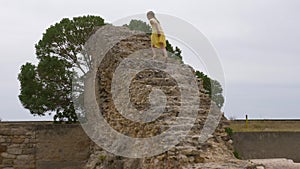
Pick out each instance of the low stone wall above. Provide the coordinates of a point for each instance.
(261, 145)
(42, 145)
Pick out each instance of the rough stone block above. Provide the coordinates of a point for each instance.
(17, 140)
(260, 167)
(24, 162)
(199, 159)
(2, 139)
(7, 162)
(13, 146)
(15, 151)
(3, 148)
(25, 157)
(28, 151)
(18, 131)
(5, 132)
(6, 155)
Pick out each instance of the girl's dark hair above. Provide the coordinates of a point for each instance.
(151, 13)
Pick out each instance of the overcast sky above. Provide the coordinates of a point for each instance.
(257, 42)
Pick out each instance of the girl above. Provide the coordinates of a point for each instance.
(158, 39)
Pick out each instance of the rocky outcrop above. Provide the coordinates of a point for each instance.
(115, 45)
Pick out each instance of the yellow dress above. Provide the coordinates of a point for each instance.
(156, 40)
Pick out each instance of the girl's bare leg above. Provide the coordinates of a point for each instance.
(164, 50)
(153, 51)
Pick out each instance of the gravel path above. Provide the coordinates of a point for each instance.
(277, 163)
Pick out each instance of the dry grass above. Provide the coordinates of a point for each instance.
(265, 125)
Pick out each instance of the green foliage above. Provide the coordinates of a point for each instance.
(47, 87)
(229, 131)
(216, 93)
(66, 38)
(213, 88)
(139, 25)
(236, 154)
(206, 81)
(102, 157)
(31, 89)
(175, 53)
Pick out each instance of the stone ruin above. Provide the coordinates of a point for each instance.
(215, 152)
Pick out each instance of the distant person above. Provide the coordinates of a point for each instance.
(158, 39)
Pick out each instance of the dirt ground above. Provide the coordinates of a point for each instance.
(277, 163)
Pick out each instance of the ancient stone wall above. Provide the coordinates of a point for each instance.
(17, 146)
(42, 145)
(262, 145)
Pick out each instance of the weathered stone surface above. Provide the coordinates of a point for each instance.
(7, 162)
(199, 159)
(15, 151)
(189, 151)
(60, 146)
(3, 148)
(2, 139)
(26, 151)
(17, 140)
(267, 145)
(25, 157)
(9, 156)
